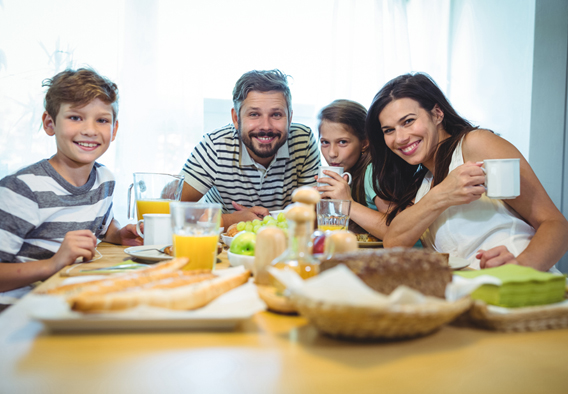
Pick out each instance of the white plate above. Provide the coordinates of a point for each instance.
(141, 253)
(457, 263)
(220, 314)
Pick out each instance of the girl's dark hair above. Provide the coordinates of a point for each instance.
(395, 180)
(352, 115)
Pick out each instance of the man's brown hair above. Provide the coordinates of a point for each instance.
(79, 88)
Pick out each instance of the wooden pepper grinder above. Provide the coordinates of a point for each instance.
(270, 243)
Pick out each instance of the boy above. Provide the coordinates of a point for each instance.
(52, 212)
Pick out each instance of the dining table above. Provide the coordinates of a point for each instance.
(271, 353)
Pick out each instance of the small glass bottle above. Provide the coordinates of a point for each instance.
(298, 255)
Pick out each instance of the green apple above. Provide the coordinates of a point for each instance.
(243, 243)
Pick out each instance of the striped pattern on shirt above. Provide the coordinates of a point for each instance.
(38, 207)
(219, 169)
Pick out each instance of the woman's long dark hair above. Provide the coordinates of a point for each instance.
(394, 179)
(352, 115)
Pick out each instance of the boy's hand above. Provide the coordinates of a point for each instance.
(129, 236)
(126, 235)
(80, 243)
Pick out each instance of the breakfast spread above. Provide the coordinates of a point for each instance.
(385, 270)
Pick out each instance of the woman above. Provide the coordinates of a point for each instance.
(344, 144)
(429, 165)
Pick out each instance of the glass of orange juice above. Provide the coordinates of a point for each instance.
(153, 193)
(195, 229)
(333, 214)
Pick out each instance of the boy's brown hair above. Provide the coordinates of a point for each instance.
(79, 88)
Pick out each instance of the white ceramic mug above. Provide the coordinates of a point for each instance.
(502, 178)
(338, 170)
(157, 229)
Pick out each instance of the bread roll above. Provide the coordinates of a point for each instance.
(232, 230)
(385, 269)
(306, 195)
(338, 242)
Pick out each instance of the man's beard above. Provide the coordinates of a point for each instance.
(265, 151)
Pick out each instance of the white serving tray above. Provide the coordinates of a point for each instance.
(223, 313)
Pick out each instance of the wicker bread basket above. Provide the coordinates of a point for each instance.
(394, 322)
(534, 318)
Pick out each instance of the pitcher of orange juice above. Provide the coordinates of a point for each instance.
(153, 193)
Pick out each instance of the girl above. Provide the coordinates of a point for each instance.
(429, 160)
(344, 144)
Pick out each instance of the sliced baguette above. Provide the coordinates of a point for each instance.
(120, 282)
(185, 297)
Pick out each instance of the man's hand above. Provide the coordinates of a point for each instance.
(244, 214)
(495, 257)
(76, 244)
(260, 212)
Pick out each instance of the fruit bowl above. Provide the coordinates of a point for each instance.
(274, 214)
(241, 259)
(226, 239)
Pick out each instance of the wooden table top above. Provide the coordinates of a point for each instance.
(272, 353)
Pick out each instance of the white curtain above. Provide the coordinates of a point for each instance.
(176, 63)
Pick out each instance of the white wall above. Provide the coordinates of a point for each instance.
(549, 142)
(490, 65)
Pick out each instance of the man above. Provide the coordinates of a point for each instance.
(252, 166)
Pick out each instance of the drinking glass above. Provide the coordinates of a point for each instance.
(195, 229)
(333, 214)
(153, 193)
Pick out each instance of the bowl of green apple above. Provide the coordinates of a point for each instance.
(241, 251)
(241, 246)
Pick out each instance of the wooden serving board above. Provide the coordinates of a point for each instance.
(78, 269)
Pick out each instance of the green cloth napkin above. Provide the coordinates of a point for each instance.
(521, 286)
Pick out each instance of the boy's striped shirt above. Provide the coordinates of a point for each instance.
(38, 207)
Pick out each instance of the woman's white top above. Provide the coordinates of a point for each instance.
(462, 230)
